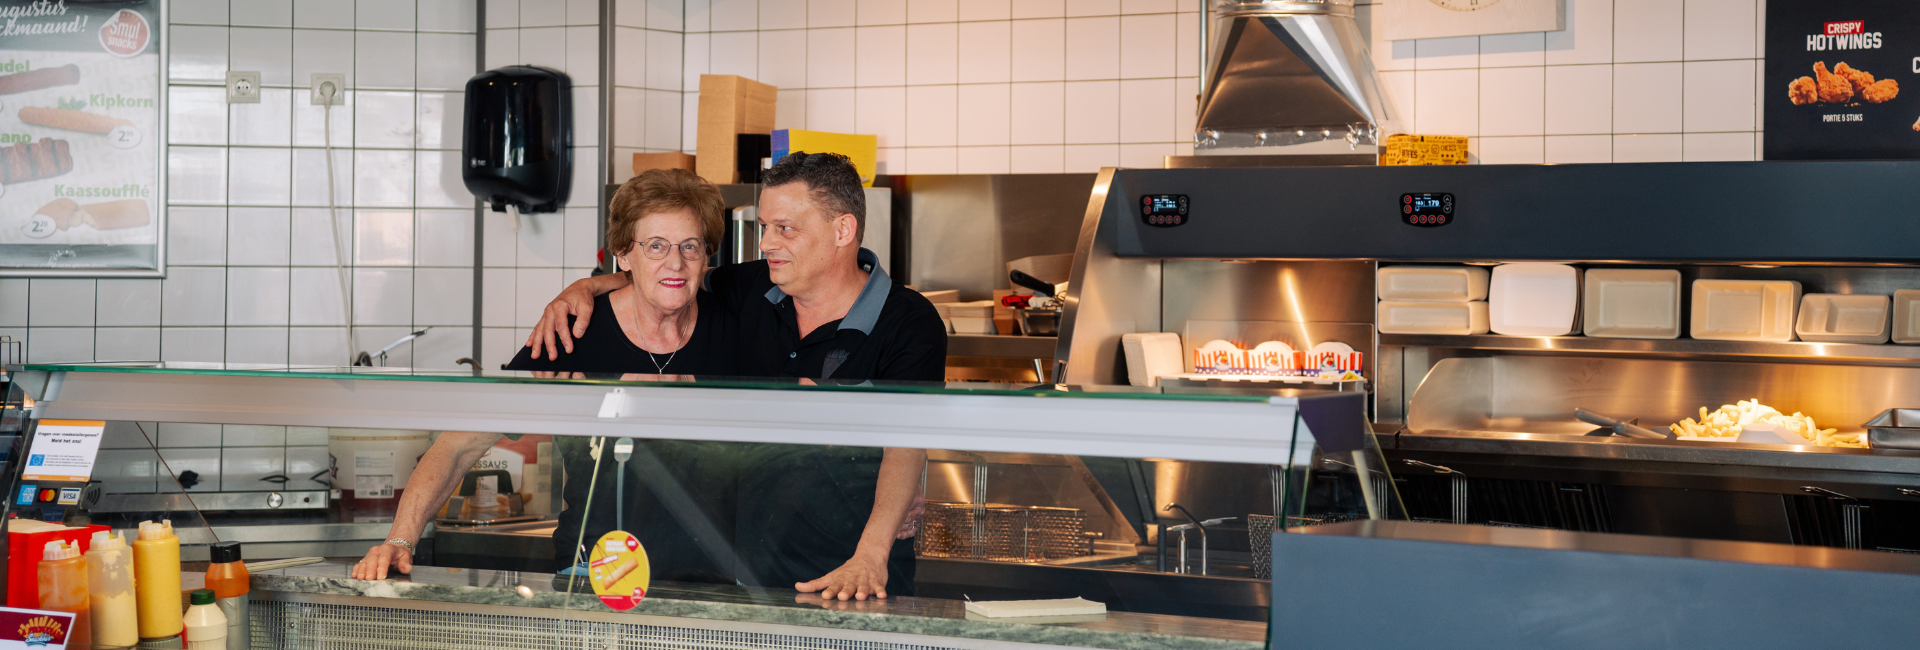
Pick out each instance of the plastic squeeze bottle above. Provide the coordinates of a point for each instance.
(227, 577)
(156, 563)
(110, 591)
(63, 587)
(206, 626)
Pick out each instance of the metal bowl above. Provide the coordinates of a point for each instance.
(1040, 322)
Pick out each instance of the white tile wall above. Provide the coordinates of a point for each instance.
(1063, 85)
(524, 267)
(250, 275)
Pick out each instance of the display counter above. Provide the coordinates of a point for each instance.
(316, 606)
(734, 490)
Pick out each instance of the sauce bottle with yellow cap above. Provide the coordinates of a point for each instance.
(156, 564)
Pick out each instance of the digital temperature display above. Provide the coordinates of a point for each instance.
(1163, 210)
(1426, 209)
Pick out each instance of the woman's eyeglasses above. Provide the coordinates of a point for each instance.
(690, 250)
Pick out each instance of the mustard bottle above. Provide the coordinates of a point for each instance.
(156, 564)
(110, 591)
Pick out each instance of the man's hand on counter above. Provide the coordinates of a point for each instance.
(863, 575)
(374, 565)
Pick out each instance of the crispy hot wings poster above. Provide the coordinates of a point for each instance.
(1842, 79)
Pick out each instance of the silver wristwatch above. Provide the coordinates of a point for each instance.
(402, 543)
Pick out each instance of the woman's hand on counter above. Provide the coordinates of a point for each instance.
(863, 575)
(374, 565)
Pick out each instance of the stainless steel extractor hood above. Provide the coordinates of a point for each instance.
(1280, 76)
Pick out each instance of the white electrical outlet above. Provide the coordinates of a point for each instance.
(243, 87)
(339, 90)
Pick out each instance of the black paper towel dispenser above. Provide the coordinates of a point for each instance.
(519, 136)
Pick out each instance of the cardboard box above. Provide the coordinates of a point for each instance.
(1406, 149)
(644, 162)
(729, 105)
(864, 150)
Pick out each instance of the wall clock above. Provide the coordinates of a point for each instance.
(1441, 18)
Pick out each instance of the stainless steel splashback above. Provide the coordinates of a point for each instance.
(1110, 296)
(959, 232)
(1537, 394)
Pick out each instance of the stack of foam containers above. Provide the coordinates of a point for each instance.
(1534, 299)
(1432, 299)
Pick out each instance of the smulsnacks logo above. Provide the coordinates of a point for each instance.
(41, 631)
(1843, 35)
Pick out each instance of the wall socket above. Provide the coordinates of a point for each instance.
(243, 87)
(339, 82)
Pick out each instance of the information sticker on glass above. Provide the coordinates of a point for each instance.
(63, 450)
(34, 628)
(619, 570)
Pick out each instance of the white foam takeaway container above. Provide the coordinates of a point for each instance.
(1431, 283)
(1461, 318)
(1631, 304)
(1906, 316)
(1744, 310)
(1533, 299)
(1843, 318)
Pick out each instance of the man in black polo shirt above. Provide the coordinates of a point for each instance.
(818, 307)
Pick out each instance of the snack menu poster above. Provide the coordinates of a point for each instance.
(1842, 80)
(81, 137)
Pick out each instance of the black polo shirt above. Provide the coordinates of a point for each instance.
(891, 332)
(802, 508)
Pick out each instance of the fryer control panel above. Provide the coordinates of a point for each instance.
(1163, 210)
(1426, 209)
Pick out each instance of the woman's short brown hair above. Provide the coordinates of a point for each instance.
(665, 190)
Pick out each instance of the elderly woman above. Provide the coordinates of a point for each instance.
(664, 225)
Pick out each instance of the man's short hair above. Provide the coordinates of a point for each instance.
(832, 182)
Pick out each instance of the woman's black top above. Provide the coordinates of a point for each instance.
(679, 494)
(605, 349)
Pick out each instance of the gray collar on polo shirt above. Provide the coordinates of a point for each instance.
(866, 308)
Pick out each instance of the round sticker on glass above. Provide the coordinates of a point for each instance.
(39, 227)
(619, 570)
(124, 136)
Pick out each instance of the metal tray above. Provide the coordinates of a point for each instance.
(1894, 429)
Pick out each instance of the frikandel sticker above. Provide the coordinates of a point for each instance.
(1842, 80)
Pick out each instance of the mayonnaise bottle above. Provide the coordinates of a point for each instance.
(110, 591)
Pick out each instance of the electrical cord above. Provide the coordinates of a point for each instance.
(327, 93)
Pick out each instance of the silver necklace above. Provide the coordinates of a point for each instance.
(658, 368)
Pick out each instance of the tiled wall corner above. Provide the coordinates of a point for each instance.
(526, 264)
(251, 264)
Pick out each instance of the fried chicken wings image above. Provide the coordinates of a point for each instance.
(1833, 88)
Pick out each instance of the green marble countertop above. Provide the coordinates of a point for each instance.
(904, 615)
